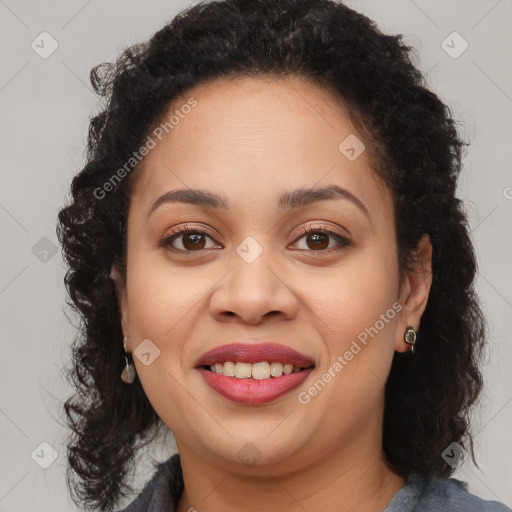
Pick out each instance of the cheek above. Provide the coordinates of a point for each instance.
(355, 298)
(161, 297)
(356, 313)
(159, 310)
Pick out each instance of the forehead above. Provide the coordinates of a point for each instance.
(250, 136)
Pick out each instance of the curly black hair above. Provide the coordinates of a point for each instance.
(415, 149)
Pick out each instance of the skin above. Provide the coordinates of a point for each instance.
(315, 456)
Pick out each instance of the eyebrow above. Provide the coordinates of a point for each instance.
(292, 199)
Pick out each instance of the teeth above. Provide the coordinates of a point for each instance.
(243, 370)
(229, 369)
(276, 369)
(259, 371)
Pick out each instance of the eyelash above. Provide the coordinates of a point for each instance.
(303, 231)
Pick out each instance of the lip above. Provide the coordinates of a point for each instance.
(254, 353)
(253, 391)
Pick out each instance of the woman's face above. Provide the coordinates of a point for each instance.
(247, 274)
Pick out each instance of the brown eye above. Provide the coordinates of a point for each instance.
(193, 241)
(318, 239)
(189, 239)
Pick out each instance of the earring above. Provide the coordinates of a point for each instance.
(410, 338)
(128, 375)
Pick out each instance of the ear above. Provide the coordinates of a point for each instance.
(415, 292)
(120, 284)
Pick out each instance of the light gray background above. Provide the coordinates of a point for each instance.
(45, 106)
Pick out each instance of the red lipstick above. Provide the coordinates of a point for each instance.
(250, 390)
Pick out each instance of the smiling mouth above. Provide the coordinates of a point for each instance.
(256, 371)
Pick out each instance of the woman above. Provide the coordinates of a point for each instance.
(270, 261)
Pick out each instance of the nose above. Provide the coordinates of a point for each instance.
(251, 291)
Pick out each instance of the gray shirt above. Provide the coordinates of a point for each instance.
(164, 489)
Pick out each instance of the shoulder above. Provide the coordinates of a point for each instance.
(162, 491)
(450, 495)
